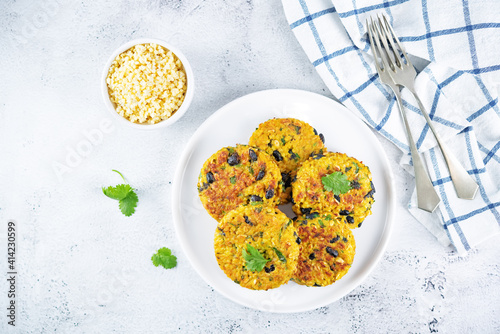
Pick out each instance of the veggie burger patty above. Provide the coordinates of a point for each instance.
(310, 195)
(289, 142)
(256, 247)
(238, 175)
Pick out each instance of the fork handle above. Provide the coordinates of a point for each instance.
(427, 198)
(465, 185)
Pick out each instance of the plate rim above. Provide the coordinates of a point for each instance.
(186, 154)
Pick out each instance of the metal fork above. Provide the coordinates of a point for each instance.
(403, 73)
(427, 198)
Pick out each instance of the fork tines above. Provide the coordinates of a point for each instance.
(392, 51)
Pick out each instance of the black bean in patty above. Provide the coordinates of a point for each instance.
(312, 256)
(332, 252)
(337, 197)
(315, 132)
(335, 239)
(233, 159)
(277, 155)
(322, 137)
(203, 187)
(349, 219)
(255, 198)
(312, 215)
(261, 174)
(285, 177)
(344, 212)
(344, 239)
(298, 241)
(305, 211)
(252, 155)
(221, 231)
(248, 221)
(355, 184)
(210, 177)
(270, 269)
(317, 156)
(371, 192)
(269, 193)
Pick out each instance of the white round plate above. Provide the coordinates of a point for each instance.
(234, 123)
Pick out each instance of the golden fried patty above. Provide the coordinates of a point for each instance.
(290, 142)
(238, 175)
(270, 233)
(327, 250)
(310, 195)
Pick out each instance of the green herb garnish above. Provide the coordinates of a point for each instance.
(336, 182)
(233, 179)
(280, 255)
(123, 193)
(284, 227)
(357, 167)
(254, 261)
(164, 258)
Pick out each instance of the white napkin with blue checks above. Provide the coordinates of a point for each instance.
(459, 88)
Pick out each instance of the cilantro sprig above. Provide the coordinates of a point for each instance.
(253, 258)
(123, 193)
(336, 182)
(164, 258)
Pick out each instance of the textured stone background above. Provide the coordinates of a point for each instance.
(85, 268)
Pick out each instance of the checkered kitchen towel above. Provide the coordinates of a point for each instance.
(459, 88)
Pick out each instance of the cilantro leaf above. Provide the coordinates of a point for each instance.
(119, 192)
(164, 258)
(123, 193)
(336, 182)
(128, 204)
(254, 260)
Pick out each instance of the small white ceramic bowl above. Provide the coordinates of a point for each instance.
(187, 99)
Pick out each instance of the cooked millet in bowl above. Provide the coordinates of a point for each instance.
(148, 84)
